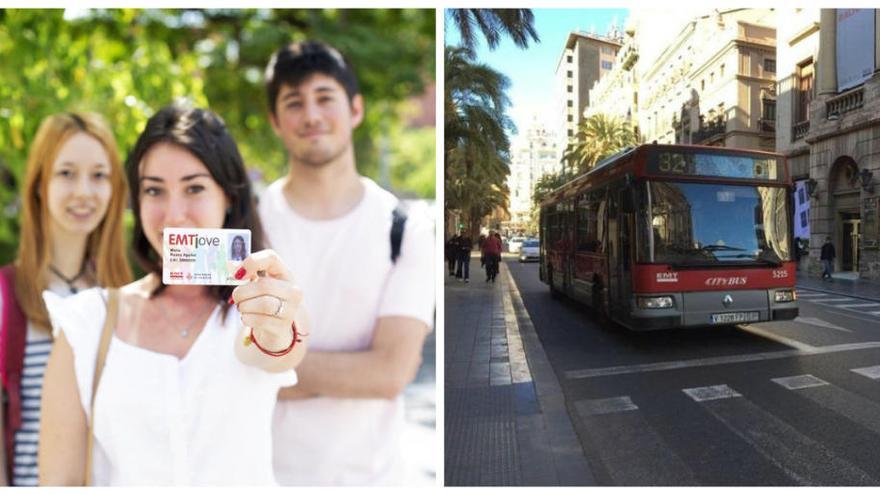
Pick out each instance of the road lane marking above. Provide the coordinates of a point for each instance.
(863, 305)
(633, 452)
(519, 365)
(594, 407)
(715, 361)
(816, 322)
(712, 392)
(786, 341)
(850, 315)
(798, 382)
(872, 372)
(826, 301)
(803, 459)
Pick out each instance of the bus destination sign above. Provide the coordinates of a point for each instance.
(713, 165)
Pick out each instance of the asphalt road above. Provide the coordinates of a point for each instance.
(790, 403)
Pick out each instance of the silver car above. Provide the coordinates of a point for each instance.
(529, 251)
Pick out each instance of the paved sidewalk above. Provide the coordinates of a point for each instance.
(859, 288)
(506, 421)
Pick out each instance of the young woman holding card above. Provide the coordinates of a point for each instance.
(71, 239)
(190, 380)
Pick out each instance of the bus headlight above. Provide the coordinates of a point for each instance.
(785, 295)
(657, 302)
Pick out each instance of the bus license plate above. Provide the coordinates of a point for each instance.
(735, 317)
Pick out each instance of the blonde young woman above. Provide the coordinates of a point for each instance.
(71, 239)
(192, 373)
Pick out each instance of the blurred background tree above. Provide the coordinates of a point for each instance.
(127, 63)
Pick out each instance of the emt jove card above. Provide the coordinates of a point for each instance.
(203, 256)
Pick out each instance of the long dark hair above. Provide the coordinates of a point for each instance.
(202, 133)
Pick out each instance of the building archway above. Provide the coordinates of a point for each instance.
(844, 204)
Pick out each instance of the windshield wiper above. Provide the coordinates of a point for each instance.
(721, 247)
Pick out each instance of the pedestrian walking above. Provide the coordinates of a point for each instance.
(464, 257)
(827, 256)
(492, 254)
(451, 252)
(73, 201)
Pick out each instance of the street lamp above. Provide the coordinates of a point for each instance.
(811, 188)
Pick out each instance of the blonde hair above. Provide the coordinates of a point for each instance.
(105, 247)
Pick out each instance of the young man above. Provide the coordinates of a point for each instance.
(370, 315)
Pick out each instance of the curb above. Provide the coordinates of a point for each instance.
(565, 449)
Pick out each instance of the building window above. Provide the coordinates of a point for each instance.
(569, 103)
(768, 109)
(571, 118)
(606, 65)
(570, 133)
(703, 85)
(721, 71)
(607, 50)
(769, 65)
(569, 59)
(804, 91)
(569, 73)
(568, 88)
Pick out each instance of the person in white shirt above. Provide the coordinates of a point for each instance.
(370, 314)
(192, 374)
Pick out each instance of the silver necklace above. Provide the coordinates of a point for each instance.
(184, 332)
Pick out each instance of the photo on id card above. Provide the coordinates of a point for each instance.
(203, 256)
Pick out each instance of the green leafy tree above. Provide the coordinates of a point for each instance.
(476, 143)
(598, 137)
(127, 63)
(518, 24)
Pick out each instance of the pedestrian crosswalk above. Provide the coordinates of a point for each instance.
(739, 423)
(852, 304)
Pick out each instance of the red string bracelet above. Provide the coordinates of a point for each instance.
(296, 338)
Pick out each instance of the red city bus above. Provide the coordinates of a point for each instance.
(668, 236)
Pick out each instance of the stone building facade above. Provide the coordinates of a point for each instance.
(844, 141)
(585, 58)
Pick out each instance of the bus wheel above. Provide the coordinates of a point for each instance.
(554, 292)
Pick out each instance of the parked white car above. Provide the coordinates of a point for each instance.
(530, 251)
(515, 244)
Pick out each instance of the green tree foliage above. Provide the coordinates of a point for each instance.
(492, 24)
(598, 137)
(476, 146)
(476, 143)
(126, 64)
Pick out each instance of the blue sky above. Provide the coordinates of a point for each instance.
(532, 71)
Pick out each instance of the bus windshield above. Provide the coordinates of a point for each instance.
(712, 224)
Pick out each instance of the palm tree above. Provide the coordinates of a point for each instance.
(598, 137)
(475, 143)
(516, 23)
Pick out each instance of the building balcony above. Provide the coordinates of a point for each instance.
(767, 125)
(710, 131)
(630, 57)
(799, 130)
(845, 102)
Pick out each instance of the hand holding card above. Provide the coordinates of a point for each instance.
(203, 256)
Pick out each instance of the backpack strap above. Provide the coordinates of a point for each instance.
(100, 359)
(13, 334)
(398, 222)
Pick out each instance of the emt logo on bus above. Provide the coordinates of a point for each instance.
(663, 277)
(725, 281)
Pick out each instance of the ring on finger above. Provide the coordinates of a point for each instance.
(280, 307)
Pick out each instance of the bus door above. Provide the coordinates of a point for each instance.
(568, 253)
(614, 255)
(626, 232)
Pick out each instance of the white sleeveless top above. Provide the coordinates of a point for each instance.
(205, 419)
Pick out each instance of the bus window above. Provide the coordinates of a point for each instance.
(708, 223)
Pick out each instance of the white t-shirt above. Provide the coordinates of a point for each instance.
(159, 420)
(348, 280)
